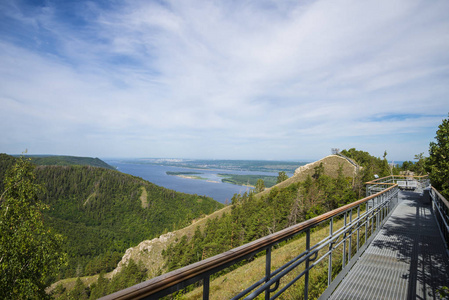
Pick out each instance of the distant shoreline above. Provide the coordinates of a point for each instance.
(190, 175)
(196, 178)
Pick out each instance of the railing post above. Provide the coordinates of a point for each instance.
(366, 220)
(306, 276)
(329, 267)
(382, 209)
(206, 283)
(267, 271)
(358, 229)
(379, 211)
(350, 237)
(344, 243)
(372, 220)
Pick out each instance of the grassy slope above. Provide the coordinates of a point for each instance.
(230, 284)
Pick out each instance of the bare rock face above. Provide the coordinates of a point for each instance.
(148, 252)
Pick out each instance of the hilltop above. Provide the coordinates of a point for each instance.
(331, 165)
(63, 160)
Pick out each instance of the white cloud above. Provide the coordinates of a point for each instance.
(193, 77)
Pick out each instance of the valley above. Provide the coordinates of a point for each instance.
(119, 224)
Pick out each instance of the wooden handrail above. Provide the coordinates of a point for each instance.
(170, 279)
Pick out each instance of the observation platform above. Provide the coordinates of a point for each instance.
(406, 260)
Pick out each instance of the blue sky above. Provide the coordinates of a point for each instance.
(222, 79)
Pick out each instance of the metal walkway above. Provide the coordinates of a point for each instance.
(406, 260)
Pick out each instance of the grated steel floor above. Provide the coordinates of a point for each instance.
(406, 260)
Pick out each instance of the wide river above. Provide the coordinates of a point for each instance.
(212, 187)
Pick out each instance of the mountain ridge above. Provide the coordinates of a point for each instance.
(67, 160)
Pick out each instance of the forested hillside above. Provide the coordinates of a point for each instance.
(327, 184)
(371, 166)
(254, 217)
(102, 212)
(63, 160)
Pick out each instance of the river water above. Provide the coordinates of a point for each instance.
(212, 187)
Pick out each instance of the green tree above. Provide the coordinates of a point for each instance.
(419, 166)
(30, 253)
(260, 185)
(319, 170)
(438, 161)
(281, 177)
(99, 288)
(385, 167)
(79, 292)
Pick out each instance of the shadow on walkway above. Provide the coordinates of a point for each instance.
(406, 260)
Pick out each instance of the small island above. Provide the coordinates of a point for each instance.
(189, 175)
(248, 180)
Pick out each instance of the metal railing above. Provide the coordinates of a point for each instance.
(380, 184)
(350, 229)
(440, 208)
(352, 162)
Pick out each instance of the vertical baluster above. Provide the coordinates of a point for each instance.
(344, 242)
(329, 268)
(350, 237)
(372, 216)
(378, 213)
(306, 276)
(358, 230)
(382, 201)
(206, 282)
(366, 220)
(267, 271)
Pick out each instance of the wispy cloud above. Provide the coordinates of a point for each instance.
(223, 79)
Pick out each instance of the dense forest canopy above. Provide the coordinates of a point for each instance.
(102, 212)
(63, 160)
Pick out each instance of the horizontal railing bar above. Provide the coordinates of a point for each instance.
(375, 181)
(274, 279)
(165, 281)
(243, 293)
(441, 197)
(288, 285)
(443, 215)
(318, 246)
(321, 244)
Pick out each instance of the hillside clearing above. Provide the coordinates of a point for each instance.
(144, 197)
